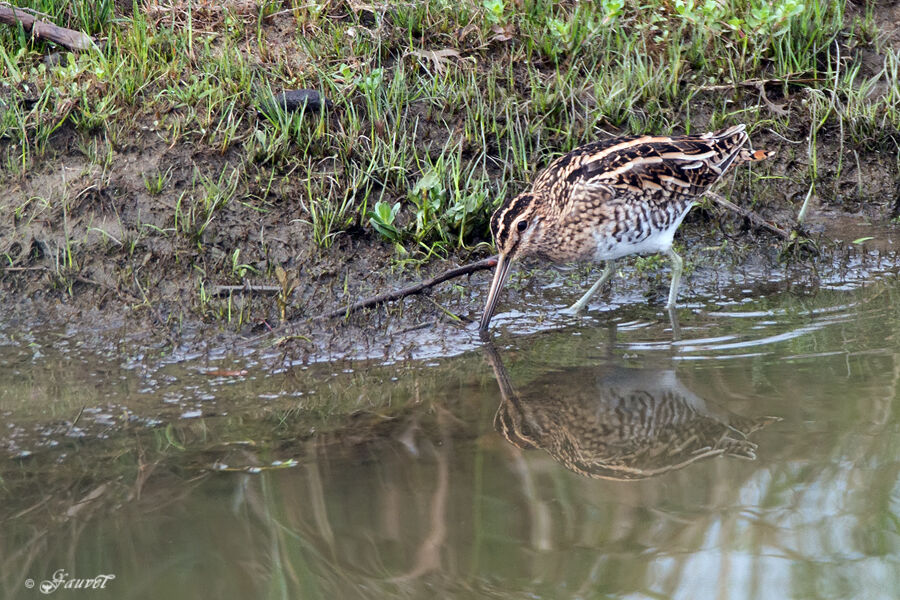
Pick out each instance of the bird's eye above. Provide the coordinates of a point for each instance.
(522, 225)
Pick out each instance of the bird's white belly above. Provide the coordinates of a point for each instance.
(658, 240)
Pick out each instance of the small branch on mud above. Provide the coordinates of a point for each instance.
(751, 216)
(221, 290)
(415, 327)
(481, 265)
(21, 269)
(40, 29)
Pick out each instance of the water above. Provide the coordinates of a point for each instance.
(756, 457)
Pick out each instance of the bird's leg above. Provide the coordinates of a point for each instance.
(677, 265)
(673, 320)
(582, 302)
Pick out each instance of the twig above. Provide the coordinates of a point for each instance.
(221, 290)
(750, 216)
(40, 29)
(415, 327)
(418, 288)
(30, 11)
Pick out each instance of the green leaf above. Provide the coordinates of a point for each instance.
(382, 217)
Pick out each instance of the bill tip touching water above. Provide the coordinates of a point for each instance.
(610, 199)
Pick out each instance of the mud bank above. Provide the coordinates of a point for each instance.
(162, 212)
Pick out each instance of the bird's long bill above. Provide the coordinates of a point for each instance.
(500, 274)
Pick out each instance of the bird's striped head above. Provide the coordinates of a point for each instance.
(516, 227)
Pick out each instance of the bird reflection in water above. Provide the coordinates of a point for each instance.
(618, 422)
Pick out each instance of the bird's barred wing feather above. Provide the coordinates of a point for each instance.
(649, 168)
(676, 166)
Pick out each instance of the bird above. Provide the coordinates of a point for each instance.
(609, 199)
(617, 422)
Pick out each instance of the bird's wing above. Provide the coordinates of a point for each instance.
(675, 166)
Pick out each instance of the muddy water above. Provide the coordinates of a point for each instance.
(756, 457)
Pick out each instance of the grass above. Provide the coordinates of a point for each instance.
(440, 109)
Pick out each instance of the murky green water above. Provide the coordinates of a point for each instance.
(756, 457)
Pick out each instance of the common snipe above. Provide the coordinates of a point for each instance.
(609, 199)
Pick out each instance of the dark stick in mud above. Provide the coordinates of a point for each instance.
(418, 288)
(68, 38)
(751, 216)
(224, 290)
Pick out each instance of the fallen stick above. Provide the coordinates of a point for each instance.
(418, 288)
(751, 216)
(221, 290)
(40, 29)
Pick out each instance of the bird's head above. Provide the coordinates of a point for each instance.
(516, 227)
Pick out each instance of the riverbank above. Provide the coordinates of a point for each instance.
(143, 182)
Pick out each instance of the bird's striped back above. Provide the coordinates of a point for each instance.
(677, 165)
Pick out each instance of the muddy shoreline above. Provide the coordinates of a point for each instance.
(145, 219)
(93, 260)
(441, 322)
